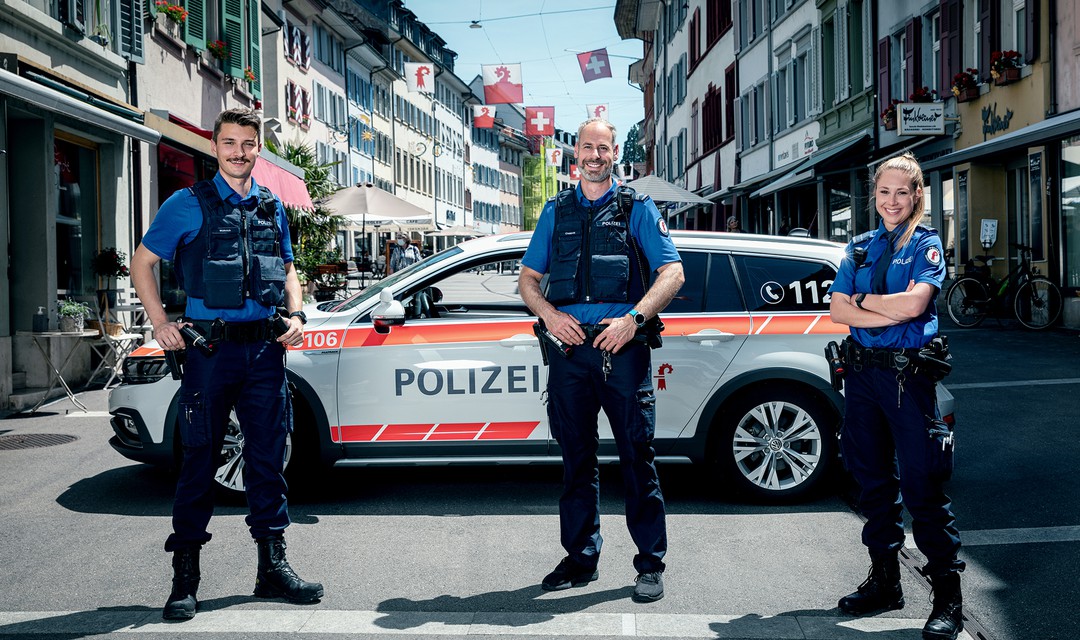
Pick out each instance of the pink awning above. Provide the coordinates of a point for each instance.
(291, 189)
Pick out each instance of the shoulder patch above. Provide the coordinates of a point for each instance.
(661, 226)
(863, 237)
(933, 256)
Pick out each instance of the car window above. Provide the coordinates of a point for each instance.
(475, 291)
(784, 284)
(709, 287)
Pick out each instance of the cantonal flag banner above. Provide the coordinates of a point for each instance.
(554, 157)
(502, 84)
(483, 116)
(539, 121)
(594, 65)
(419, 76)
(574, 175)
(597, 111)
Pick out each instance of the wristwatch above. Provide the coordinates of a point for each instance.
(858, 301)
(299, 314)
(639, 317)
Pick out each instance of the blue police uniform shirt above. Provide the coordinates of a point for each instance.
(179, 220)
(921, 260)
(646, 226)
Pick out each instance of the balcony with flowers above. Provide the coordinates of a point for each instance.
(965, 85)
(1005, 67)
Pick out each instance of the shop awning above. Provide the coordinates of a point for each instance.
(1056, 128)
(75, 107)
(821, 157)
(752, 182)
(792, 179)
(291, 188)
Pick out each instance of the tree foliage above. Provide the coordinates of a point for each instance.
(632, 150)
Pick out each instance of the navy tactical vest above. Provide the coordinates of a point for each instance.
(236, 255)
(594, 258)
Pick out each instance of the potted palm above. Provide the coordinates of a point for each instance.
(73, 315)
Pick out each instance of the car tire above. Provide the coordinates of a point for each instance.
(776, 443)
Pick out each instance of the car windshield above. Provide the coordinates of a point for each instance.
(372, 290)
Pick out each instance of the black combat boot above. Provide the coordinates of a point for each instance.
(182, 603)
(880, 592)
(946, 617)
(277, 579)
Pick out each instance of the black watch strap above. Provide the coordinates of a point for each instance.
(858, 301)
(299, 314)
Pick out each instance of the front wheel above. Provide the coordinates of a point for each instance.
(967, 302)
(1037, 304)
(777, 443)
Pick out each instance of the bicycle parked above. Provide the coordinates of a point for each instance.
(1033, 299)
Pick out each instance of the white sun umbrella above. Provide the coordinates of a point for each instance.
(368, 200)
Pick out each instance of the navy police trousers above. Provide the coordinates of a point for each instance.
(577, 390)
(249, 376)
(897, 464)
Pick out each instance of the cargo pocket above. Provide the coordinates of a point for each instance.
(269, 280)
(223, 270)
(195, 428)
(610, 275)
(646, 422)
(942, 444)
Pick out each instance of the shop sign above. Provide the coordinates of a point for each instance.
(992, 122)
(920, 118)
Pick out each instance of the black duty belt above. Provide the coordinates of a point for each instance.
(219, 330)
(594, 330)
(880, 357)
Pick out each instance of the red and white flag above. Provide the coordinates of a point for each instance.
(539, 121)
(597, 111)
(483, 116)
(554, 157)
(594, 65)
(502, 84)
(574, 175)
(420, 77)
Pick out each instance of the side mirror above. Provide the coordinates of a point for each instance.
(388, 313)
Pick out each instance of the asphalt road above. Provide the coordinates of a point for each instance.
(441, 552)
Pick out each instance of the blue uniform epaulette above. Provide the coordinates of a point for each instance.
(863, 236)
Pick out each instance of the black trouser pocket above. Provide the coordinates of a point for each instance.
(195, 427)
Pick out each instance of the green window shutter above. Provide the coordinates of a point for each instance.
(131, 29)
(254, 46)
(234, 37)
(195, 25)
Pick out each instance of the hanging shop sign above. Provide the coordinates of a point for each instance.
(920, 118)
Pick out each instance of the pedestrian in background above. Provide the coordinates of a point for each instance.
(892, 440)
(606, 316)
(403, 254)
(215, 231)
(733, 225)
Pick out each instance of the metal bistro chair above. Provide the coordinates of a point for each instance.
(111, 347)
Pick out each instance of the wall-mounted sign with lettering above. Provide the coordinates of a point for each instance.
(920, 118)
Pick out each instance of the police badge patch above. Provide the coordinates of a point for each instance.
(933, 256)
(661, 226)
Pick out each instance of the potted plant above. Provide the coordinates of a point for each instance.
(249, 75)
(923, 94)
(965, 85)
(218, 49)
(1005, 66)
(73, 315)
(109, 264)
(888, 115)
(172, 12)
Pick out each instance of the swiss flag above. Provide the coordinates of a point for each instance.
(539, 121)
(419, 76)
(594, 65)
(483, 116)
(554, 157)
(502, 84)
(597, 111)
(574, 175)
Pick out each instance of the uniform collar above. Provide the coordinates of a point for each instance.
(608, 195)
(225, 192)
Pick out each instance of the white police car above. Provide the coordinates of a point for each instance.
(438, 364)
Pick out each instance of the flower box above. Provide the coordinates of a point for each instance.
(1006, 76)
(967, 94)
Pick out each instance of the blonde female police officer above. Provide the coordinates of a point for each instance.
(885, 292)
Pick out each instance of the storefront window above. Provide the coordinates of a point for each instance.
(76, 173)
(839, 215)
(1070, 209)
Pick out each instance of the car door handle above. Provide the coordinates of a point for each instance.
(520, 340)
(710, 337)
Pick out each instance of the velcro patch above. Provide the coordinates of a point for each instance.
(661, 226)
(933, 256)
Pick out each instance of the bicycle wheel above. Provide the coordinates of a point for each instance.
(1037, 304)
(967, 302)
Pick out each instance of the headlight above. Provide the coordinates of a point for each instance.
(144, 370)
